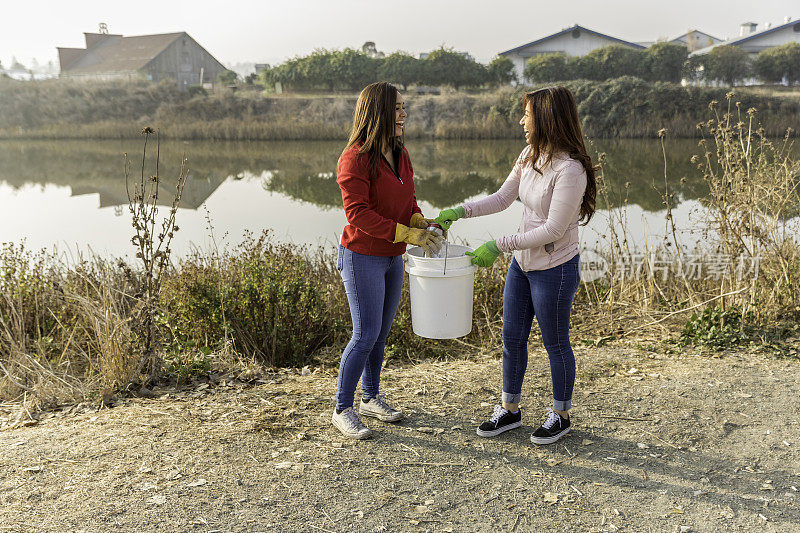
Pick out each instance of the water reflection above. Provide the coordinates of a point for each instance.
(447, 172)
(49, 186)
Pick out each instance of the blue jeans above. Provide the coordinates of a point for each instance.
(373, 285)
(547, 295)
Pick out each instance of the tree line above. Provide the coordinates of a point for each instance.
(351, 69)
(669, 62)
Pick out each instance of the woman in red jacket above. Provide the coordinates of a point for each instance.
(376, 179)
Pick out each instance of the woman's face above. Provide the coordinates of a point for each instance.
(527, 122)
(399, 115)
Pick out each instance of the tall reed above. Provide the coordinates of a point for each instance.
(748, 258)
(152, 239)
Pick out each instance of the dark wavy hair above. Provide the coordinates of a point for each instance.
(374, 124)
(557, 128)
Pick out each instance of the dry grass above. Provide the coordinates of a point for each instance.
(753, 193)
(64, 330)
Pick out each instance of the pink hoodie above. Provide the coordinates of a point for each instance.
(548, 233)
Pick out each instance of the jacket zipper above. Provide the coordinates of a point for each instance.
(396, 175)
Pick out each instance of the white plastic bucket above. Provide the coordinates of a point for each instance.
(441, 297)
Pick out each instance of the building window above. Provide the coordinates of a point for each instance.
(796, 27)
(576, 33)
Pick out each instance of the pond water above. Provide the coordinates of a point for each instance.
(71, 196)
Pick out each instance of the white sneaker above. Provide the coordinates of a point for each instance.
(350, 424)
(378, 408)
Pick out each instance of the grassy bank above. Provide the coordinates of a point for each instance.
(69, 330)
(625, 107)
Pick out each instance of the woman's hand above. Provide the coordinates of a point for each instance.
(419, 221)
(430, 242)
(448, 216)
(485, 255)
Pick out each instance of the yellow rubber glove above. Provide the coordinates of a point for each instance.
(419, 221)
(419, 237)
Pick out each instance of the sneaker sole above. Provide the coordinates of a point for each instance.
(382, 418)
(496, 432)
(549, 440)
(357, 436)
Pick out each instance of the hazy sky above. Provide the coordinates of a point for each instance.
(272, 31)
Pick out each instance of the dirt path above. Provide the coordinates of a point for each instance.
(661, 443)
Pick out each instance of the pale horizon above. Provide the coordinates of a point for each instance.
(272, 32)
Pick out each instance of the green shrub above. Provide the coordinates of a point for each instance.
(664, 62)
(718, 327)
(196, 90)
(501, 71)
(611, 62)
(27, 291)
(400, 68)
(227, 77)
(189, 363)
(728, 64)
(445, 66)
(549, 67)
(265, 298)
(778, 63)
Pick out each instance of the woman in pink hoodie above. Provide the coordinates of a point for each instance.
(554, 179)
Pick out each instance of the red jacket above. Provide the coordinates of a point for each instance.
(374, 208)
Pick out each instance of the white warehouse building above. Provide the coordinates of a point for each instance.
(573, 41)
(754, 41)
(579, 41)
(695, 40)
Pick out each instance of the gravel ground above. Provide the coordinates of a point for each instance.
(660, 443)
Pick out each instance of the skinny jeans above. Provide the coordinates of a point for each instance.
(548, 295)
(373, 285)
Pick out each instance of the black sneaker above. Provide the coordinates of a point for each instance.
(501, 420)
(553, 429)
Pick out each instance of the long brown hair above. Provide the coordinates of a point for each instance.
(557, 128)
(374, 124)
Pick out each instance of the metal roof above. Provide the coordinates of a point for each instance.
(567, 30)
(121, 54)
(745, 38)
(694, 31)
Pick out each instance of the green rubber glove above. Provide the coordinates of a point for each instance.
(485, 255)
(448, 216)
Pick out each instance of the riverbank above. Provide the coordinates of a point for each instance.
(71, 331)
(625, 107)
(660, 443)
